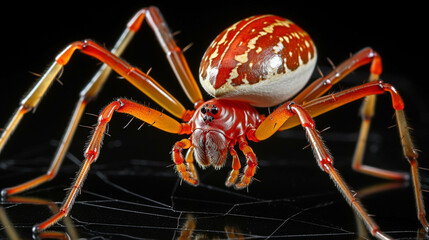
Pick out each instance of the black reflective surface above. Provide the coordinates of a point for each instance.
(132, 192)
(126, 197)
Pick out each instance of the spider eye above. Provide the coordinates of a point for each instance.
(203, 110)
(214, 109)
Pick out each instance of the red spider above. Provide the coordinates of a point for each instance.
(260, 61)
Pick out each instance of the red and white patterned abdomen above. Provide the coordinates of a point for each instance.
(264, 60)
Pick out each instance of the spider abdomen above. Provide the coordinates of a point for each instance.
(263, 60)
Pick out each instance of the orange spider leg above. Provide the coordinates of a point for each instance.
(190, 163)
(187, 173)
(173, 52)
(140, 80)
(323, 104)
(236, 165)
(323, 84)
(176, 59)
(250, 169)
(329, 102)
(324, 159)
(146, 114)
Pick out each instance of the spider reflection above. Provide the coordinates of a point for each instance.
(187, 232)
(13, 234)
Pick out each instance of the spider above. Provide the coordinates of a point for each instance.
(261, 61)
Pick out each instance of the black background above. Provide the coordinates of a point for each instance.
(32, 35)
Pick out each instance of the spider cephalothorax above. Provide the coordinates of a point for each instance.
(260, 61)
(209, 143)
(216, 126)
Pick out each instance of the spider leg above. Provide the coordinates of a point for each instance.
(146, 114)
(323, 157)
(174, 55)
(186, 173)
(250, 169)
(323, 104)
(325, 161)
(189, 159)
(329, 102)
(232, 177)
(323, 84)
(136, 77)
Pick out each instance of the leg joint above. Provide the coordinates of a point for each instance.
(305, 118)
(397, 102)
(289, 107)
(325, 162)
(106, 115)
